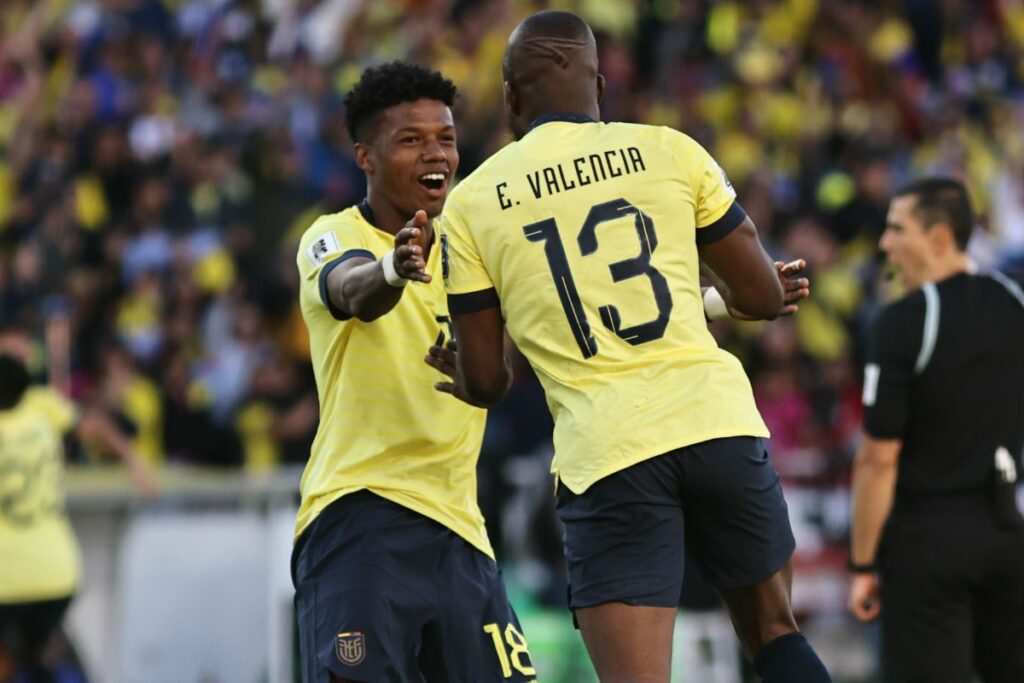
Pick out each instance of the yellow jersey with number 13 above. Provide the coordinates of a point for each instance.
(586, 235)
(383, 426)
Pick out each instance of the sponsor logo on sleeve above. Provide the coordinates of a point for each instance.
(322, 247)
(725, 179)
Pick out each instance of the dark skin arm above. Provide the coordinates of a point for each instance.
(481, 372)
(358, 287)
(750, 278)
(794, 289)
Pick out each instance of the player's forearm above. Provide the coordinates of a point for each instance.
(743, 274)
(874, 484)
(761, 301)
(487, 391)
(362, 291)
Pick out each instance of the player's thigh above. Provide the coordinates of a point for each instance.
(927, 603)
(476, 636)
(737, 521)
(362, 587)
(624, 537)
(999, 613)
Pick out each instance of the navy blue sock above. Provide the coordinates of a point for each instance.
(790, 659)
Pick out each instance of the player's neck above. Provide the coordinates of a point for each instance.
(577, 108)
(383, 215)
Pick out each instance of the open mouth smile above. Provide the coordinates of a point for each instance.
(433, 182)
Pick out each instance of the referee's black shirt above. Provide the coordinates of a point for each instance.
(945, 373)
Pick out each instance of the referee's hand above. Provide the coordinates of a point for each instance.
(865, 601)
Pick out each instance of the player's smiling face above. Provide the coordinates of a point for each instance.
(906, 241)
(414, 156)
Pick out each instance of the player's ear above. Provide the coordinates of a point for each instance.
(600, 88)
(511, 99)
(364, 159)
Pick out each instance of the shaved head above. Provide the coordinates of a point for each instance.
(550, 65)
(549, 40)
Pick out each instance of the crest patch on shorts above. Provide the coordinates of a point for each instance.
(350, 647)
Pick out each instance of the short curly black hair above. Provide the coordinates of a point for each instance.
(389, 84)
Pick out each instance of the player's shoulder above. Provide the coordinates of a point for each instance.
(661, 135)
(484, 173)
(328, 233)
(342, 222)
(647, 130)
(48, 403)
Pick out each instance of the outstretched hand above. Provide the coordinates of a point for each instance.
(793, 289)
(445, 359)
(410, 248)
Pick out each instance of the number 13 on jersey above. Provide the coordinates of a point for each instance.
(546, 231)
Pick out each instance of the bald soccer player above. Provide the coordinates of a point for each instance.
(584, 239)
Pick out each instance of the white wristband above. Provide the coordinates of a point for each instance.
(714, 305)
(391, 276)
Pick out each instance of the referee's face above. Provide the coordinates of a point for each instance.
(905, 241)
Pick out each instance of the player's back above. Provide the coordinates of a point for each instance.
(588, 234)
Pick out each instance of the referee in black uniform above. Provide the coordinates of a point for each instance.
(936, 536)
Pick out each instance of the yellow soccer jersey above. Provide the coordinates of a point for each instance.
(383, 426)
(38, 553)
(587, 234)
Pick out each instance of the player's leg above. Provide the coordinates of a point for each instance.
(624, 549)
(999, 612)
(476, 635)
(29, 630)
(761, 613)
(739, 534)
(628, 643)
(359, 587)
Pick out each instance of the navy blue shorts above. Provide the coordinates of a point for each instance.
(383, 593)
(720, 500)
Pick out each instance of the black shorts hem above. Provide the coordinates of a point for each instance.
(743, 581)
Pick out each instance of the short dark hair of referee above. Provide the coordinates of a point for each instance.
(936, 534)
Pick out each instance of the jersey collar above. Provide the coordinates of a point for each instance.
(367, 211)
(556, 116)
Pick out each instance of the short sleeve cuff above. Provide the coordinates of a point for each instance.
(716, 230)
(882, 427)
(471, 302)
(325, 298)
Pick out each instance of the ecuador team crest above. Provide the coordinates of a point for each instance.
(351, 647)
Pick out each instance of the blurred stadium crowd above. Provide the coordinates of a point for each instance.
(160, 159)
